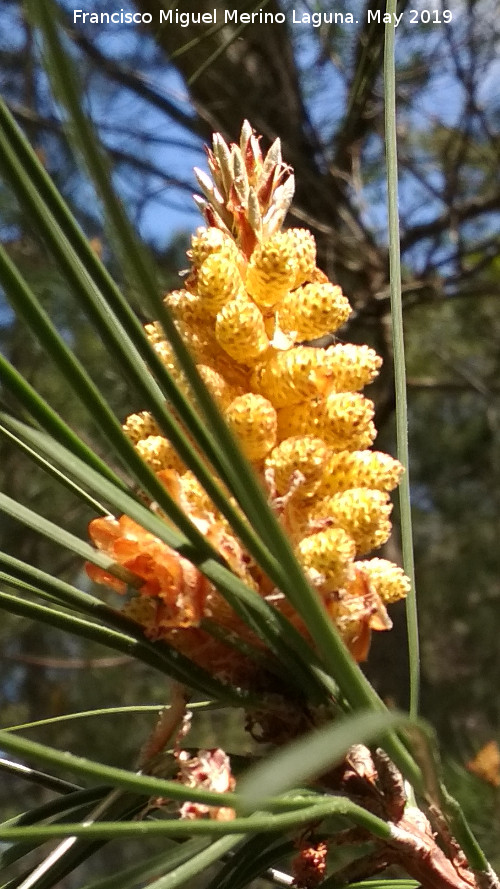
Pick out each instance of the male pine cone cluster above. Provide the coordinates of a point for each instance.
(252, 299)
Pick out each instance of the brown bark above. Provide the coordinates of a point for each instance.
(427, 852)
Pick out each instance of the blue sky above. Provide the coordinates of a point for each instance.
(169, 210)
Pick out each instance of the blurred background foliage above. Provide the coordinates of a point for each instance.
(155, 94)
